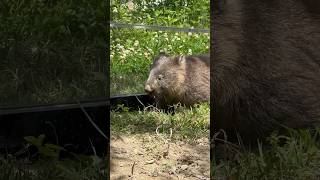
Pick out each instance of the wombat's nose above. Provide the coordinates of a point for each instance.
(148, 89)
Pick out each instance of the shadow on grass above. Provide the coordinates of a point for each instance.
(133, 123)
(186, 123)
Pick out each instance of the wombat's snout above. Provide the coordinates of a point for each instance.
(148, 89)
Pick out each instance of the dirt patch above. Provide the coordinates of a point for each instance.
(154, 157)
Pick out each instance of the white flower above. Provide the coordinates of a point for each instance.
(190, 51)
(119, 46)
(115, 10)
(126, 51)
(123, 56)
(130, 5)
(136, 43)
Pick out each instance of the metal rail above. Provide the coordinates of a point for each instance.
(133, 101)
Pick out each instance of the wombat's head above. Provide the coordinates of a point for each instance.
(166, 77)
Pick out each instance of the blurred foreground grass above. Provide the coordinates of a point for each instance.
(294, 156)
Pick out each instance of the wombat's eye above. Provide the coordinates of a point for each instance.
(160, 77)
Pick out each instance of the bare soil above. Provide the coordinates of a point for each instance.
(151, 156)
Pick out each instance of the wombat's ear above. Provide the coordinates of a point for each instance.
(162, 53)
(181, 59)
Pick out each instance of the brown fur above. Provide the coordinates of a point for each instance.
(265, 68)
(184, 79)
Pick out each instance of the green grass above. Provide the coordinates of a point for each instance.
(82, 168)
(186, 124)
(180, 13)
(295, 156)
(47, 163)
(51, 52)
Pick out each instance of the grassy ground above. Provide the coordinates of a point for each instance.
(185, 123)
(152, 144)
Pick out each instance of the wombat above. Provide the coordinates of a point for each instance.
(179, 79)
(265, 68)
